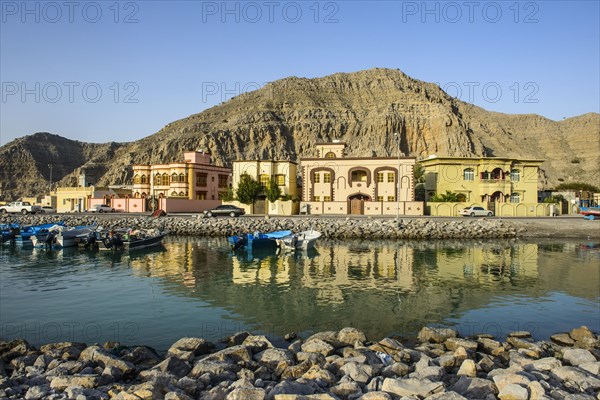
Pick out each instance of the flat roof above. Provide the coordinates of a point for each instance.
(444, 158)
(270, 161)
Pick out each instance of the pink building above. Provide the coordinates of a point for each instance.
(193, 185)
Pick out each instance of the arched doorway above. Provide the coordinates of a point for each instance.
(356, 203)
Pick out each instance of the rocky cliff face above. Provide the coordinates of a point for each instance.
(283, 120)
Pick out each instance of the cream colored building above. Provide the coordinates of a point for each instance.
(195, 178)
(509, 186)
(335, 184)
(284, 174)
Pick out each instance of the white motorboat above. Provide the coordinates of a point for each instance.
(299, 241)
(62, 236)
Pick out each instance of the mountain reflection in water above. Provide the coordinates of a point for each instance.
(198, 287)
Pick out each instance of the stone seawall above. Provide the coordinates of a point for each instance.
(359, 228)
(333, 365)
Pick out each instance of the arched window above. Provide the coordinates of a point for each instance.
(515, 175)
(359, 176)
(165, 179)
(174, 177)
(174, 194)
(181, 194)
(182, 178)
(468, 174)
(137, 179)
(330, 154)
(136, 195)
(157, 179)
(144, 179)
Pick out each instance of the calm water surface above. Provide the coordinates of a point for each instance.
(197, 287)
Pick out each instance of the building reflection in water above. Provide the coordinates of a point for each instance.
(380, 287)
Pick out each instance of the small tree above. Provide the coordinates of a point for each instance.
(273, 191)
(448, 197)
(247, 189)
(228, 195)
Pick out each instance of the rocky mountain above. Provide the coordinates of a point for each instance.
(283, 119)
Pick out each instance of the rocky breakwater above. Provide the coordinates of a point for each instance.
(325, 366)
(361, 228)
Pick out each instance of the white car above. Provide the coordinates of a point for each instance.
(100, 208)
(475, 211)
(47, 210)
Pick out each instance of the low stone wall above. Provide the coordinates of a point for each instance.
(363, 228)
(330, 365)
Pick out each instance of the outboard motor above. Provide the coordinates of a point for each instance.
(50, 238)
(90, 240)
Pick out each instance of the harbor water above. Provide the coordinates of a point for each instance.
(197, 287)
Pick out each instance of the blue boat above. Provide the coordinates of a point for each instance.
(257, 240)
(40, 231)
(9, 232)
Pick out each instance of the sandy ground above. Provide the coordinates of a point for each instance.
(573, 227)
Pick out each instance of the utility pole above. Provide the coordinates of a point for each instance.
(50, 166)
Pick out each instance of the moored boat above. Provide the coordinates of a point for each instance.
(257, 240)
(299, 241)
(123, 239)
(61, 236)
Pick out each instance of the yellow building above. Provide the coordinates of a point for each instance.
(284, 174)
(195, 179)
(78, 199)
(336, 184)
(507, 185)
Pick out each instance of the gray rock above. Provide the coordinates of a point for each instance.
(177, 396)
(574, 376)
(330, 337)
(142, 357)
(349, 336)
(189, 348)
(446, 396)
(503, 380)
(318, 346)
(468, 368)
(63, 350)
(474, 388)
(411, 387)
(257, 343)
(37, 392)
(577, 357)
(432, 373)
(101, 357)
(232, 354)
(360, 373)
(190, 386)
(562, 339)
(345, 389)
(237, 338)
(287, 387)
(214, 368)
(581, 333)
(85, 381)
(317, 373)
(173, 366)
(246, 393)
(513, 391)
(272, 357)
(397, 369)
(592, 367)
(543, 364)
(436, 335)
(454, 343)
(376, 396)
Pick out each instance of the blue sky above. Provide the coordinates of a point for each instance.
(118, 71)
